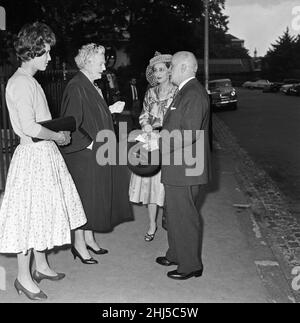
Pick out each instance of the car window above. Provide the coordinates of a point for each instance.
(214, 85)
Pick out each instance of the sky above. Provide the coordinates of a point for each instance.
(261, 22)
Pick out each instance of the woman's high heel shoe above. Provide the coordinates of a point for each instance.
(33, 296)
(37, 276)
(101, 251)
(149, 237)
(90, 261)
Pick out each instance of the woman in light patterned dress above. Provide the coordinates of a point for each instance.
(41, 204)
(149, 190)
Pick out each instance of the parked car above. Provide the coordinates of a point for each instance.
(291, 81)
(288, 83)
(259, 84)
(273, 87)
(222, 94)
(294, 90)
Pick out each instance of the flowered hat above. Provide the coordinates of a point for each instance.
(158, 58)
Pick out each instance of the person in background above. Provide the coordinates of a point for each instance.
(149, 190)
(102, 188)
(132, 97)
(109, 87)
(125, 116)
(41, 204)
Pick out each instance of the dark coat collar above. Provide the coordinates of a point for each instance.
(179, 94)
(188, 84)
(82, 78)
(85, 82)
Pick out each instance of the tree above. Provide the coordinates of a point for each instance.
(172, 25)
(282, 58)
(297, 52)
(74, 22)
(164, 25)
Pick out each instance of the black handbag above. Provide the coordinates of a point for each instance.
(146, 168)
(59, 124)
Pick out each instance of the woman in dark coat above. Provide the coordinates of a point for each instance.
(103, 189)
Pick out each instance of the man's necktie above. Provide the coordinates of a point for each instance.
(134, 92)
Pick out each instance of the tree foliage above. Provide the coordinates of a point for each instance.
(163, 25)
(283, 56)
(172, 25)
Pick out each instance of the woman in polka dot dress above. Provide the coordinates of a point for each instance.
(41, 204)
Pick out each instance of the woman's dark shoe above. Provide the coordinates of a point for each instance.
(37, 276)
(40, 296)
(90, 261)
(101, 251)
(149, 237)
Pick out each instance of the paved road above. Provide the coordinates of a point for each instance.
(267, 126)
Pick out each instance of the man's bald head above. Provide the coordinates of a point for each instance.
(184, 66)
(188, 59)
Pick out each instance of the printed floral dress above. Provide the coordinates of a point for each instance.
(150, 190)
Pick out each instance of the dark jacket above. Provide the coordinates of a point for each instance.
(130, 105)
(82, 100)
(189, 111)
(103, 189)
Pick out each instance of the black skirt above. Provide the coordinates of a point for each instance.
(103, 190)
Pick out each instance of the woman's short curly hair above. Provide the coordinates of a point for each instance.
(31, 41)
(86, 52)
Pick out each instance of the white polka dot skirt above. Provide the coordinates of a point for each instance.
(41, 204)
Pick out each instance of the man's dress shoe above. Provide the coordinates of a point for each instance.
(179, 276)
(164, 261)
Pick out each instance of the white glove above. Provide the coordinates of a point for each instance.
(117, 107)
(151, 142)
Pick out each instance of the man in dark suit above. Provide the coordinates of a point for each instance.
(132, 97)
(188, 117)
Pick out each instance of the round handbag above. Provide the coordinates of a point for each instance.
(143, 162)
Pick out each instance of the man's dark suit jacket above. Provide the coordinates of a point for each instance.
(132, 109)
(127, 96)
(188, 111)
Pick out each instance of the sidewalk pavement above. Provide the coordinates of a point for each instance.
(239, 267)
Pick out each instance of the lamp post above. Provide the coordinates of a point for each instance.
(2, 21)
(206, 43)
(2, 24)
(2, 18)
(206, 65)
